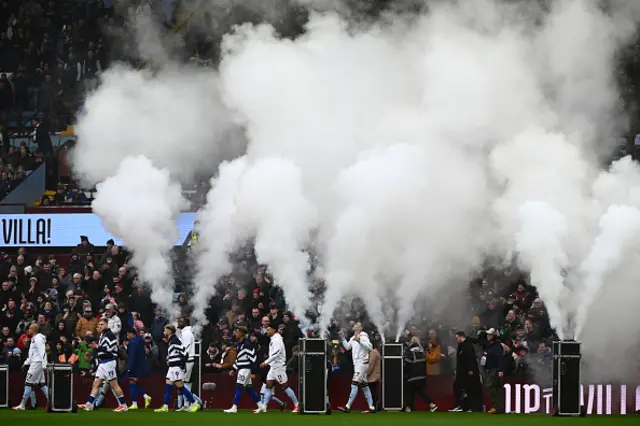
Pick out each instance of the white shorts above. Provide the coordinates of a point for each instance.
(360, 373)
(278, 374)
(35, 375)
(187, 373)
(107, 371)
(243, 377)
(175, 374)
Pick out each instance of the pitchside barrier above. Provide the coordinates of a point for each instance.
(4, 386)
(312, 389)
(521, 395)
(392, 377)
(60, 380)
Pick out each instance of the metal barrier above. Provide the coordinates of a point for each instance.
(392, 377)
(4, 386)
(60, 379)
(313, 376)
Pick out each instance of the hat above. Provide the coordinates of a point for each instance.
(281, 327)
(492, 331)
(88, 309)
(147, 336)
(84, 238)
(110, 241)
(223, 321)
(33, 279)
(109, 306)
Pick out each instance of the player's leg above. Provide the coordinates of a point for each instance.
(95, 389)
(133, 391)
(355, 383)
(283, 380)
(194, 405)
(366, 390)
(102, 394)
(195, 396)
(168, 387)
(242, 378)
(28, 389)
(117, 391)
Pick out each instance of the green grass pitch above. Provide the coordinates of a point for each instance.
(105, 417)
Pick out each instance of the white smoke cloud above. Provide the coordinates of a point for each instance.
(140, 205)
(618, 238)
(174, 117)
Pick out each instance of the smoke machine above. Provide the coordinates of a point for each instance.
(567, 359)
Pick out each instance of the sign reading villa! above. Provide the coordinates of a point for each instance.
(26, 232)
(597, 399)
(64, 230)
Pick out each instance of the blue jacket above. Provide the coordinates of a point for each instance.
(137, 361)
(495, 356)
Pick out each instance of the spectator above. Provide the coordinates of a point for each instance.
(434, 355)
(88, 323)
(85, 247)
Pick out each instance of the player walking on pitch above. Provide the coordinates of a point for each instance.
(37, 363)
(137, 368)
(278, 372)
(177, 361)
(245, 362)
(360, 346)
(189, 342)
(107, 355)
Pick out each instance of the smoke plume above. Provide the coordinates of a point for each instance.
(140, 204)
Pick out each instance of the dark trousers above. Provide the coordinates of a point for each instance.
(468, 393)
(413, 388)
(373, 386)
(495, 390)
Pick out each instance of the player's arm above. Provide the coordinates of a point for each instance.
(42, 351)
(365, 343)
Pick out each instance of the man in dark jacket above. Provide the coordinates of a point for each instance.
(493, 362)
(416, 375)
(467, 387)
(137, 368)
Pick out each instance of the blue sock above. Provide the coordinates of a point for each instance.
(238, 395)
(267, 396)
(196, 397)
(91, 399)
(252, 393)
(34, 400)
(187, 394)
(27, 395)
(45, 391)
(140, 390)
(352, 395)
(167, 393)
(368, 396)
(180, 400)
(121, 400)
(133, 390)
(275, 399)
(291, 395)
(100, 399)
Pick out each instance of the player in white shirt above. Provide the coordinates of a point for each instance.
(277, 363)
(37, 364)
(188, 339)
(360, 346)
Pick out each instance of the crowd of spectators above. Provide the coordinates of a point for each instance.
(66, 301)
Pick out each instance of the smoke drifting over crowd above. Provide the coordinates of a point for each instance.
(402, 153)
